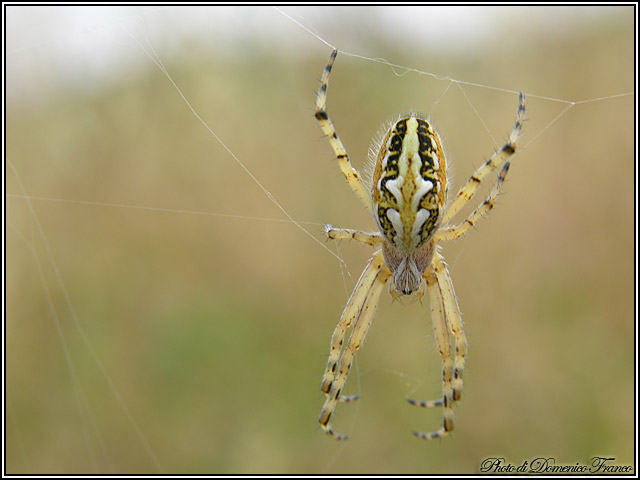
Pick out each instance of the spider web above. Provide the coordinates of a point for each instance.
(44, 259)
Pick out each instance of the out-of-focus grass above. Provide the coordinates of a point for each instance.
(215, 329)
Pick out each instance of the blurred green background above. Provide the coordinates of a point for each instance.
(209, 317)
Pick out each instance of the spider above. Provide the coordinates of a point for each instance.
(407, 195)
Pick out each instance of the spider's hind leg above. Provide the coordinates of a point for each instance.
(351, 174)
(466, 193)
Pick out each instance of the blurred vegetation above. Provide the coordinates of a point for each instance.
(215, 329)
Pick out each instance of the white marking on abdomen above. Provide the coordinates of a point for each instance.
(394, 218)
(436, 162)
(421, 216)
(424, 186)
(394, 187)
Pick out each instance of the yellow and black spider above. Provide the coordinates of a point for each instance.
(407, 195)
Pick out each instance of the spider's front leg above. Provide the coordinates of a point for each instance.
(447, 323)
(359, 312)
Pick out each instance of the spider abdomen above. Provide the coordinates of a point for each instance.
(409, 183)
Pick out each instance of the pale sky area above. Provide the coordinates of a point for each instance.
(89, 45)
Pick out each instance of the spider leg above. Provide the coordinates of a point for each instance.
(373, 239)
(351, 312)
(454, 320)
(351, 174)
(360, 308)
(457, 231)
(441, 331)
(468, 191)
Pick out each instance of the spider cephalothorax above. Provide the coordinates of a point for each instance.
(407, 197)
